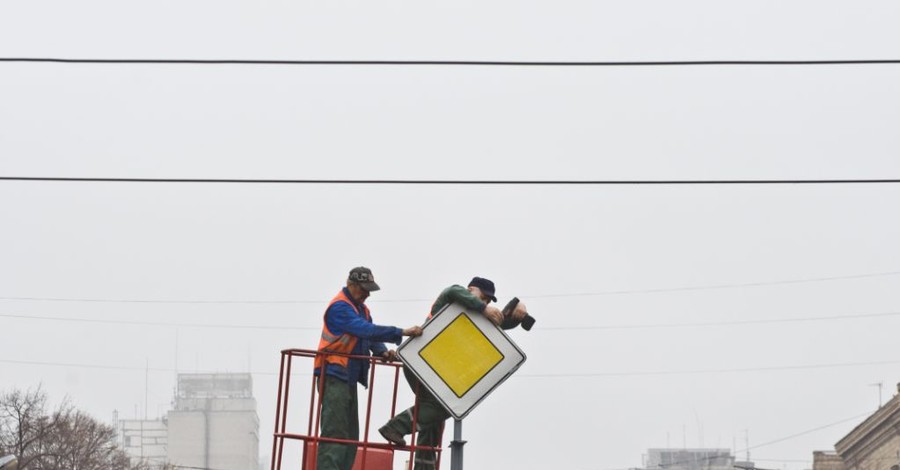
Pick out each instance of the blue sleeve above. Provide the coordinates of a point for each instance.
(377, 348)
(341, 318)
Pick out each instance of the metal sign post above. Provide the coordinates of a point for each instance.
(456, 446)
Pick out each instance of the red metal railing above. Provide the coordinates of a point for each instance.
(315, 412)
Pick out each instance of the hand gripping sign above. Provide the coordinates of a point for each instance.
(461, 358)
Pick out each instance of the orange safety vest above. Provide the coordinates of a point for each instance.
(344, 343)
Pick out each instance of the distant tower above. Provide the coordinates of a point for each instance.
(214, 423)
(690, 459)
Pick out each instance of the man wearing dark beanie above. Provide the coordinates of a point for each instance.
(431, 415)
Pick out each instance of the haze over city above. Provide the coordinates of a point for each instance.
(757, 318)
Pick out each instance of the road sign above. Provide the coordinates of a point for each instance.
(461, 358)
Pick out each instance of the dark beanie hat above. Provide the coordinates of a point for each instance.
(485, 285)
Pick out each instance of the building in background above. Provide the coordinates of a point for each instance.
(690, 459)
(827, 460)
(875, 443)
(213, 425)
(144, 440)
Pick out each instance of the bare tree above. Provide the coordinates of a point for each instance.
(25, 426)
(64, 439)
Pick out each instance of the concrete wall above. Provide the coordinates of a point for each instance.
(827, 461)
(144, 440)
(215, 433)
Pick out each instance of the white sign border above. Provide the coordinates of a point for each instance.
(459, 408)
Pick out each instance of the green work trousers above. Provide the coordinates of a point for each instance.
(430, 422)
(340, 420)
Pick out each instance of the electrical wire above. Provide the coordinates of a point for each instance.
(543, 328)
(159, 324)
(808, 431)
(707, 371)
(192, 468)
(717, 286)
(521, 376)
(183, 301)
(456, 182)
(477, 63)
(720, 323)
(774, 441)
(757, 459)
(535, 296)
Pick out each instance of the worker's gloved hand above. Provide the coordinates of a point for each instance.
(494, 315)
(413, 331)
(389, 355)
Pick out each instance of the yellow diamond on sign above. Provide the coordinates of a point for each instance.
(461, 355)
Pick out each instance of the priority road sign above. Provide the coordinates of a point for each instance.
(461, 358)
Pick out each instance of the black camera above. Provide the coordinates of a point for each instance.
(527, 322)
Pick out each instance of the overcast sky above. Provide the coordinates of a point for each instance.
(643, 294)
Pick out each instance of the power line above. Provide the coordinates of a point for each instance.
(193, 468)
(707, 371)
(775, 441)
(161, 324)
(551, 328)
(83, 366)
(523, 376)
(116, 368)
(536, 296)
(808, 431)
(756, 459)
(738, 451)
(721, 323)
(476, 63)
(183, 301)
(719, 286)
(456, 182)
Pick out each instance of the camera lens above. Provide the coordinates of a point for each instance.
(528, 322)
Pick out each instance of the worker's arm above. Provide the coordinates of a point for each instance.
(377, 348)
(341, 318)
(460, 295)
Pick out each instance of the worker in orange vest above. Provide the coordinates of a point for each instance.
(348, 329)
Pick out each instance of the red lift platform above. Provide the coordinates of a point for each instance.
(369, 455)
